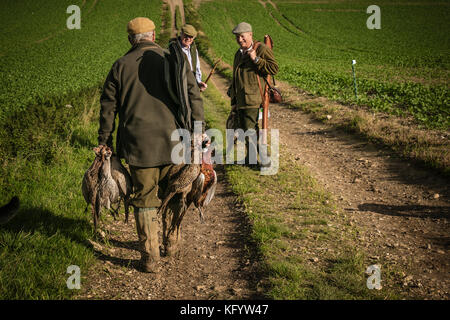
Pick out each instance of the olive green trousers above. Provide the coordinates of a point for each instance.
(248, 119)
(149, 188)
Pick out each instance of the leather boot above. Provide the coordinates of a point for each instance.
(147, 227)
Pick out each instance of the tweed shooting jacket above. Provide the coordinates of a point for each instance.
(244, 90)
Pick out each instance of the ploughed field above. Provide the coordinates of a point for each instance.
(401, 68)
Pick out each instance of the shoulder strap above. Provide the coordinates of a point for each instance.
(260, 89)
(268, 84)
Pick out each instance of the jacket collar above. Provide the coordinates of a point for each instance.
(250, 48)
(143, 44)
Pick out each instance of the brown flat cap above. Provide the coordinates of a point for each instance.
(140, 25)
(189, 30)
(242, 27)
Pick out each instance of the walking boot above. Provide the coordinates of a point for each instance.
(147, 227)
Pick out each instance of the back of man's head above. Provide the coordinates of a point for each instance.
(140, 28)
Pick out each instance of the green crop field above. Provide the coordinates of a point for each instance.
(402, 68)
(41, 58)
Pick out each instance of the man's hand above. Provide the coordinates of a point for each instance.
(252, 54)
(206, 140)
(198, 145)
(202, 86)
(233, 107)
(102, 146)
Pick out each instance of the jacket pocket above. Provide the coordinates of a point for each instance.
(252, 99)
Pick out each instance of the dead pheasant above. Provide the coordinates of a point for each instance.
(204, 187)
(123, 179)
(98, 187)
(108, 190)
(89, 186)
(180, 179)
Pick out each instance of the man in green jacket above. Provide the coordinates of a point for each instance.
(244, 90)
(187, 44)
(135, 90)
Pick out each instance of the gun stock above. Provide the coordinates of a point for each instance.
(265, 117)
(212, 70)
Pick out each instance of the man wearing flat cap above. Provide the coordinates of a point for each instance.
(186, 41)
(244, 90)
(136, 90)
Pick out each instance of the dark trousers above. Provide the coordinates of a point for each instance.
(248, 119)
(149, 187)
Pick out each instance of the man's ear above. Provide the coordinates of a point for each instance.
(154, 36)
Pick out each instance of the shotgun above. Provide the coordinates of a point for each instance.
(265, 116)
(212, 70)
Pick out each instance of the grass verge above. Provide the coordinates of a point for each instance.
(45, 152)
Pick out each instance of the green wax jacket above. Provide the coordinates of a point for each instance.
(244, 90)
(136, 90)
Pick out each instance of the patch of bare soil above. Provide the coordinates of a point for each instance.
(173, 4)
(402, 210)
(215, 260)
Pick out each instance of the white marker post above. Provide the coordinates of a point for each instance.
(354, 79)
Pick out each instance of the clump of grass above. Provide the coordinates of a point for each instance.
(178, 19)
(166, 26)
(36, 133)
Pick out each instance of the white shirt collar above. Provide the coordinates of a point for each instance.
(242, 51)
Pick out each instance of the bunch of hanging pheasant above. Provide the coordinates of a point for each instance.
(196, 183)
(204, 187)
(106, 182)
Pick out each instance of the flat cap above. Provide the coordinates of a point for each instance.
(140, 25)
(189, 30)
(242, 27)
